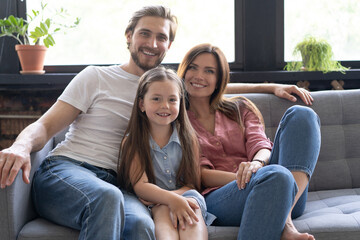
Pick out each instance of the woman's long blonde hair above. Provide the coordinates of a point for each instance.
(136, 140)
(228, 106)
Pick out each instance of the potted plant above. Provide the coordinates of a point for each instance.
(316, 55)
(32, 45)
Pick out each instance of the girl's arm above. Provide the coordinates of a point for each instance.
(180, 207)
(215, 178)
(181, 190)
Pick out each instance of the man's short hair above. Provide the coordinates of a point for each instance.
(154, 11)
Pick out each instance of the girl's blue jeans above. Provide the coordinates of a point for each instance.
(262, 207)
(84, 197)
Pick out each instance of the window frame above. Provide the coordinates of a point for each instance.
(259, 39)
(238, 42)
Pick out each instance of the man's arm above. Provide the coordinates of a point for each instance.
(33, 138)
(280, 90)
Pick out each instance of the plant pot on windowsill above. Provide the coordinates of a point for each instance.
(316, 55)
(31, 58)
(34, 53)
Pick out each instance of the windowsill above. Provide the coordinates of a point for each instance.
(56, 81)
(52, 81)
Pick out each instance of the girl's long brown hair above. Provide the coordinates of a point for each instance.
(136, 140)
(228, 106)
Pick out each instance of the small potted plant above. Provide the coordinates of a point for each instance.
(316, 55)
(32, 45)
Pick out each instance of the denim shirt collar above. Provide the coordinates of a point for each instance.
(173, 138)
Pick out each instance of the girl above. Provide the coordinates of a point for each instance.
(241, 190)
(159, 157)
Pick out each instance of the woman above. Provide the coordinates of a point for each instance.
(249, 181)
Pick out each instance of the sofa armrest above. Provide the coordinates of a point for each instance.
(15, 201)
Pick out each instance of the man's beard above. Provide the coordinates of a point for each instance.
(145, 67)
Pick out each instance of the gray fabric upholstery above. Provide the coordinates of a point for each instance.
(333, 206)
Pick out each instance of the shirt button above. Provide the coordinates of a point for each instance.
(218, 143)
(170, 181)
(165, 157)
(167, 171)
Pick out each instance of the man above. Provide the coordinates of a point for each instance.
(78, 176)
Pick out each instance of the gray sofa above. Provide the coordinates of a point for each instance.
(333, 206)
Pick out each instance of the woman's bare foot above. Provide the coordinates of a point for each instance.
(291, 233)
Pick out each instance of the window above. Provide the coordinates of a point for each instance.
(333, 20)
(99, 39)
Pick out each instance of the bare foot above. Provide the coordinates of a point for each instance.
(291, 233)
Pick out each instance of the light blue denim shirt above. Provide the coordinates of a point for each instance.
(166, 161)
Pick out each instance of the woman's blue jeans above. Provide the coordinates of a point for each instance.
(262, 207)
(81, 196)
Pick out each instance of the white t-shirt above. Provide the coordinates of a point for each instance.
(105, 96)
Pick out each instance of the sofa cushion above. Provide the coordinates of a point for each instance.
(332, 214)
(41, 229)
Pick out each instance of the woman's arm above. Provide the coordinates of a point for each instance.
(280, 90)
(216, 178)
(263, 155)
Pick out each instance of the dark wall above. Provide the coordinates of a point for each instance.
(9, 62)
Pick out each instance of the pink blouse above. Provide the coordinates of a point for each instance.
(229, 146)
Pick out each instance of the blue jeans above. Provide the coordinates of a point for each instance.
(83, 197)
(262, 207)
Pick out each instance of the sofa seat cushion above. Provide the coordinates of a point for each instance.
(221, 233)
(41, 229)
(332, 214)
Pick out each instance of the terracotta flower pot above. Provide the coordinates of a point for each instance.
(31, 58)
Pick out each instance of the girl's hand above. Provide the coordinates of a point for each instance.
(182, 210)
(246, 169)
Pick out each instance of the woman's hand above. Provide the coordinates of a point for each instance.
(245, 171)
(286, 91)
(182, 210)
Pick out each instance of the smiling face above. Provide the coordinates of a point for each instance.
(201, 76)
(149, 42)
(161, 103)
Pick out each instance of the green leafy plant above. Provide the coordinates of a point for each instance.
(316, 55)
(18, 28)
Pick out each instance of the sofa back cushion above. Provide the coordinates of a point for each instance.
(339, 111)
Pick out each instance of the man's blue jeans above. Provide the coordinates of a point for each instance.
(262, 207)
(81, 196)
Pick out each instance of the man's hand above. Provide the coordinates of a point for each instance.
(11, 161)
(286, 91)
